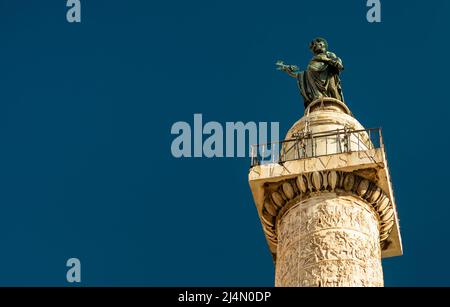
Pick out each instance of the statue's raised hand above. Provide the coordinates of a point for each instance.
(292, 70)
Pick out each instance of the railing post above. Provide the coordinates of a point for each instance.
(358, 142)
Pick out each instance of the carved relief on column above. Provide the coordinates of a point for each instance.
(328, 229)
(280, 194)
(328, 240)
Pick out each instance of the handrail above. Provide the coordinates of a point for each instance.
(310, 145)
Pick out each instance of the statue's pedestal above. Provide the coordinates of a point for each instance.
(327, 209)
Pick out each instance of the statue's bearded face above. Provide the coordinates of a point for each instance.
(319, 47)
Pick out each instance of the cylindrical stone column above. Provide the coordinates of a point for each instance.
(326, 211)
(328, 239)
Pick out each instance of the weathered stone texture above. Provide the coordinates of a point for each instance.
(329, 240)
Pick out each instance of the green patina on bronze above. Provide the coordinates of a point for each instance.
(321, 78)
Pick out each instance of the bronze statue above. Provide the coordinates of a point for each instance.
(321, 79)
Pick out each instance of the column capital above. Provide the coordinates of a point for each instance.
(281, 195)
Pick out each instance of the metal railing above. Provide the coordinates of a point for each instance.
(309, 145)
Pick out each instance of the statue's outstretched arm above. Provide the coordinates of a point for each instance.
(291, 70)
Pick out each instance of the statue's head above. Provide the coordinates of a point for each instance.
(318, 45)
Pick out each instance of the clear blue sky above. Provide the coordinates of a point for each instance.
(85, 116)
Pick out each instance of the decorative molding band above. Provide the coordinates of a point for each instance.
(326, 102)
(280, 194)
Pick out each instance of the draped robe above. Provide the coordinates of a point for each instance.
(321, 79)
